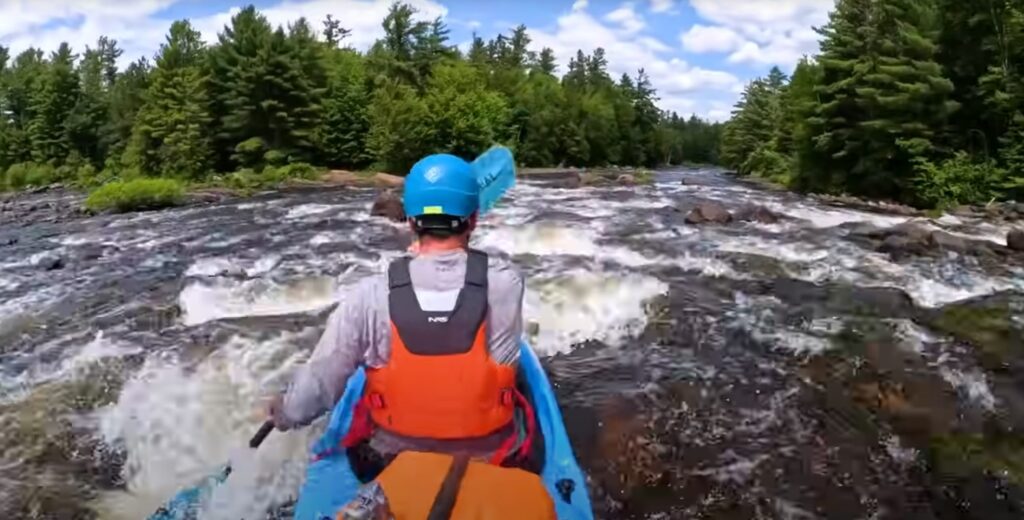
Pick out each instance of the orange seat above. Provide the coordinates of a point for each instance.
(487, 492)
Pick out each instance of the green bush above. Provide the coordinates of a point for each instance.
(136, 195)
(275, 158)
(956, 181)
(250, 152)
(767, 164)
(291, 171)
(29, 174)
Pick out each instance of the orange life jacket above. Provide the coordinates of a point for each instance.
(440, 381)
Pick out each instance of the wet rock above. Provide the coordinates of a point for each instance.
(863, 229)
(626, 180)
(386, 180)
(1015, 240)
(50, 262)
(388, 204)
(709, 212)
(752, 213)
(571, 182)
(946, 241)
(988, 324)
(89, 252)
(9, 241)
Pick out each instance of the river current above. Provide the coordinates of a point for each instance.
(745, 370)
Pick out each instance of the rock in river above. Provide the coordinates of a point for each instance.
(752, 213)
(709, 212)
(1015, 240)
(388, 204)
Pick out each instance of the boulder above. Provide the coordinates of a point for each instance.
(388, 204)
(906, 240)
(570, 182)
(50, 262)
(386, 180)
(626, 180)
(752, 213)
(1015, 240)
(90, 252)
(709, 212)
(947, 241)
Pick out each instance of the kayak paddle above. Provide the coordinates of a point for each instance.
(185, 505)
(495, 172)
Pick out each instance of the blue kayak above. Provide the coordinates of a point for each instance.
(331, 483)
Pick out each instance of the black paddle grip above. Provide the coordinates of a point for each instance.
(261, 434)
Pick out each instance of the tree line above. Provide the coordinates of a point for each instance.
(261, 97)
(919, 101)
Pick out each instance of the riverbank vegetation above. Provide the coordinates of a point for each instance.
(261, 104)
(919, 101)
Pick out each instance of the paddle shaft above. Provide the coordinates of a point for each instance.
(261, 434)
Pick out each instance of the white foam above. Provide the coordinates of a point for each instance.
(586, 305)
(325, 237)
(216, 266)
(212, 300)
(556, 239)
(820, 217)
(972, 384)
(788, 252)
(306, 210)
(756, 315)
(177, 425)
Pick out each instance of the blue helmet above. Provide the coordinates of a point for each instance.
(441, 184)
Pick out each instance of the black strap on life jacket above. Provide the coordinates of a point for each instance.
(439, 333)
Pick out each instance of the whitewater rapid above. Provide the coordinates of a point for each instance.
(215, 306)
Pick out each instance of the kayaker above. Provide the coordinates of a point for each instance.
(439, 334)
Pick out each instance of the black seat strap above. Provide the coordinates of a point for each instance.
(398, 273)
(444, 501)
(476, 268)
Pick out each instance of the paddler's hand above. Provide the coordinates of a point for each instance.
(275, 412)
(414, 247)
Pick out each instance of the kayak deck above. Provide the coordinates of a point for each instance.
(331, 483)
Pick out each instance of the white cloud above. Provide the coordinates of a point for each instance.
(139, 32)
(679, 84)
(26, 23)
(771, 32)
(580, 5)
(627, 18)
(662, 6)
(701, 39)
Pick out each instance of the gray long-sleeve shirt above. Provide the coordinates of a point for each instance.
(359, 329)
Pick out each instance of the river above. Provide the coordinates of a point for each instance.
(787, 370)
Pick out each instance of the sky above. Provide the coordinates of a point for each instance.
(698, 53)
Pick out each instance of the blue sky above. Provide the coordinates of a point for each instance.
(699, 53)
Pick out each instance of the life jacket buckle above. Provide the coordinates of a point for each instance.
(507, 397)
(376, 401)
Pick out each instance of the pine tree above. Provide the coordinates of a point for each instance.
(90, 117)
(171, 137)
(51, 105)
(467, 118)
(342, 134)
(334, 33)
(884, 97)
(400, 129)
(546, 63)
(126, 99)
(392, 56)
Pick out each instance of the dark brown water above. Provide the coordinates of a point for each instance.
(748, 370)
